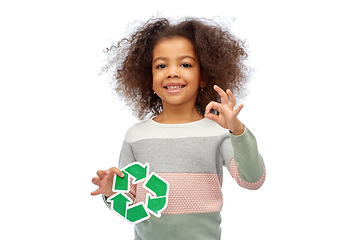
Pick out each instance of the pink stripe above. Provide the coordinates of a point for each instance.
(132, 191)
(190, 193)
(235, 174)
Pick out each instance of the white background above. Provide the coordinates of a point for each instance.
(60, 121)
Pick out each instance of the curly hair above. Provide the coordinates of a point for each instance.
(222, 59)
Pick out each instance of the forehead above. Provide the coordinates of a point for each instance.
(177, 46)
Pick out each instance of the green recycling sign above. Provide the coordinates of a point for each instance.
(156, 202)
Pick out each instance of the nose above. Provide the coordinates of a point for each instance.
(173, 76)
(173, 73)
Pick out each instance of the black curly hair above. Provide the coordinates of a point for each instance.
(222, 59)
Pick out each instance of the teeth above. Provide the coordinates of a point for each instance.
(174, 87)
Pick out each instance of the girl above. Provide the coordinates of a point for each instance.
(170, 74)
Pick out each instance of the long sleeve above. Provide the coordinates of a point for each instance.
(126, 157)
(247, 167)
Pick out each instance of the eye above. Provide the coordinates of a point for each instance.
(161, 66)
(185, 65)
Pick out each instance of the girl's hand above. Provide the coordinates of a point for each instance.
(227, 117)
(105, 181)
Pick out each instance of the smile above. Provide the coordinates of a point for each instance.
(174, 87)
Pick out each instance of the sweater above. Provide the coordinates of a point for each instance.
(190, 157)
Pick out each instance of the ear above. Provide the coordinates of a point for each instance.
(202, 84)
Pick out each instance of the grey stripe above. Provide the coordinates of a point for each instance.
(181, 155)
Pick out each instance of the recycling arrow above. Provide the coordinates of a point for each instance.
(120, 203)
(121, 184)
(156, 202)
(137, 213)
(159, 187)
(137, 171)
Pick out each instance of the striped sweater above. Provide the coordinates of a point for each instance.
(191, 158)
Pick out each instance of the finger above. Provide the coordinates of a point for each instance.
(232, 99)
(101, 173)
(238, 109)
(213, 105)
(95, 180)
(116, 171)
(212, 117)
(223, 95)
(96, 192)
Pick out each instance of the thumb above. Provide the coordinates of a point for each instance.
(116, 171)
(212, 117)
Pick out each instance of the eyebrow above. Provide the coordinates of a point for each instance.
(179, 58)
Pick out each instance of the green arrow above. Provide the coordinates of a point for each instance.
(155, 205)
(119, 203)
(138, 171)
(137, 213)
(121, 184)
(157, 185)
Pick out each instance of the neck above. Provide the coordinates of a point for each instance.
(176, 115)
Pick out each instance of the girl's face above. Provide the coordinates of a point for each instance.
(176, 72)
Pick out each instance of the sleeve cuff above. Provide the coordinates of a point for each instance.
(239, 138)
(105, 201)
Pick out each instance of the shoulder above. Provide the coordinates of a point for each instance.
(138, 130)
(210, 128)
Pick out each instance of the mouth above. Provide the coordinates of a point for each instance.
(174, 87)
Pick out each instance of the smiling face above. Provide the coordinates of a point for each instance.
(176, 72)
